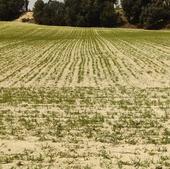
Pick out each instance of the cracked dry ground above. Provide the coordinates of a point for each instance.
(76, 98)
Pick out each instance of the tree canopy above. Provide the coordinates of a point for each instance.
(86, 13)
(11, 9)
(152, 14)
(51, 13)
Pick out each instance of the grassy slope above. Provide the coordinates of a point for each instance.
(84, 98)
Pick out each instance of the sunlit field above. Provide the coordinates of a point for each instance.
(84, 98)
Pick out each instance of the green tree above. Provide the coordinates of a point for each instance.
(86, 13)
(38, 11)
(90, 13)
(133, 9)
(72, 12)
(152, 14)
(156, 15)
(51, 13)
(11, 9)
(54, 12)
(108, 16)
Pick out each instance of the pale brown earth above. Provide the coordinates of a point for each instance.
(84, 98)
(26, 17)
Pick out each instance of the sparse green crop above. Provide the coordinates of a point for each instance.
(84, 97)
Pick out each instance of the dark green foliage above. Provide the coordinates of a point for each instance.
(51, 13)
(38, 11)
(156, 15)
(73, 12)
(133, 9)
(152, 14)
(11, 9)
(108, 17)
(86, 13)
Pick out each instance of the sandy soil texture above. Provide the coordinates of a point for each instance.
(84, 98)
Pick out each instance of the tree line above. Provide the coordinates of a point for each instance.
(85, 13)
(12, 9)
(150, 14)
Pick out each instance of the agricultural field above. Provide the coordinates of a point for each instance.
(84, 98)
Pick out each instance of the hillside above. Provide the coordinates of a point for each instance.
(84, 98)
(26, 17)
